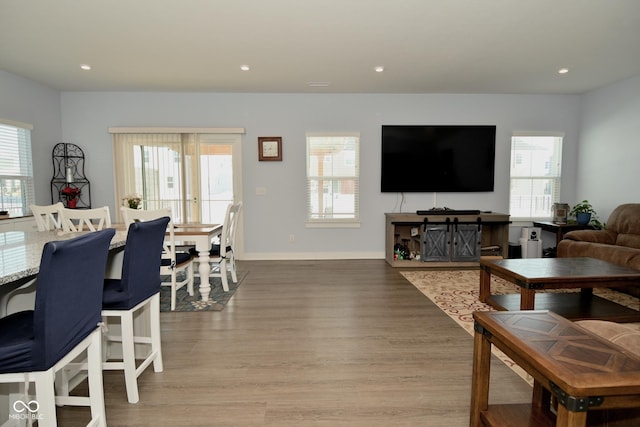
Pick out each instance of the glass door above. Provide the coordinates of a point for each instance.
(196, 175)
(215, 179)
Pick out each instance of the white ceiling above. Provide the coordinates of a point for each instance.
(426, 46)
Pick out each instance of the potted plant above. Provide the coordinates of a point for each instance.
(133, 201)
(585, 214)
(71, 193)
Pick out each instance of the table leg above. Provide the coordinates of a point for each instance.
(527, 299)
(570, 419)
(586, 292)
(204, 268)
(541, 397)
(480, 378)
(485, 284)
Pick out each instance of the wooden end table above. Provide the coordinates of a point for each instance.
(570, 365)
(561, 229)
(535, 274)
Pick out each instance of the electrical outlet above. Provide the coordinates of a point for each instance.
(292, 238)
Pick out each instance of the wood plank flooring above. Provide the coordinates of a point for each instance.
(310, 343)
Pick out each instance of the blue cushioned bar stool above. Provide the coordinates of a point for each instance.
(137, 289)
(65, 322)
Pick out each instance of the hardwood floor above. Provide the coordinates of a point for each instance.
(310, 343)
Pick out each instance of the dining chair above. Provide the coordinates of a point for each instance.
(47, 216)
(74, 220)
(137, 291)
(65, 324)
(174, 262)
(222, 255)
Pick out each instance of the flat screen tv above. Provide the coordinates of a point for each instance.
(440, 158)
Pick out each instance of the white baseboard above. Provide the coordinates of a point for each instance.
(293, 256)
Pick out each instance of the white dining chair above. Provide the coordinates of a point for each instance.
(74, 220)
(174, 262)
(222, 257)
(47, 216)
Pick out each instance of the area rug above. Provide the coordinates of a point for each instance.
(456, 293)
(218, 298)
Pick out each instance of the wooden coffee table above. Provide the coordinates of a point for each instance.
(579, 370)
(534, 274)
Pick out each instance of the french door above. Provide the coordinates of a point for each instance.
(217, 182)
(195, 174)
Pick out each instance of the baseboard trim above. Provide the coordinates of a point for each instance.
(294, 256)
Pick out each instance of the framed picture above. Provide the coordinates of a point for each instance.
(270, 148)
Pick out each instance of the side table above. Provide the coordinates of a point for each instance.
(560, 229)
(570, 365)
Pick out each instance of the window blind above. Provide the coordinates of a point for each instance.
(536, 173)
(16, 168)
(333, 178)
(192, 174)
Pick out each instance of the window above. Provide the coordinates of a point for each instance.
(535, 174)
(333, 179)
(196, 175)
(16, 168)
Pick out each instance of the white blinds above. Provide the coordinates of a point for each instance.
(333, 178)
(192, 174)
(150, 164)
(16, 168)
(536, 172)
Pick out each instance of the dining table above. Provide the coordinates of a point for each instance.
(201, 235)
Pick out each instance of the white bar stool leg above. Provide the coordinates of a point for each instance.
(129, 357)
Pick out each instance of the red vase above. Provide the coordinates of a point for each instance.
(71, 204)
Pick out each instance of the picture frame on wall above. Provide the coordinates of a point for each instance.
(270, 148)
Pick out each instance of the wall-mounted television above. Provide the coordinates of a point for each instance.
(438, 158)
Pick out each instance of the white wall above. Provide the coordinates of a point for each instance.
(608, 172)
(83, 118)
(24, 101)
(270, 219)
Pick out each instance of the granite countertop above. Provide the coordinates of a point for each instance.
(2, 217)
(20, 251)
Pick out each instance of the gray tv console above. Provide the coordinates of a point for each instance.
(401, 228)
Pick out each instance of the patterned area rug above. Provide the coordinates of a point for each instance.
(456, 293)
(218, 298)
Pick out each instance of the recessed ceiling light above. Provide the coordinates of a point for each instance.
(563, 71)
(318, 84)
(85, 67)
(379, 69)
(245, 67)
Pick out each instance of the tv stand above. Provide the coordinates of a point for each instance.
(448, 211)
(406, 228)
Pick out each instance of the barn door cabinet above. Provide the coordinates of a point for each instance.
(451, 240)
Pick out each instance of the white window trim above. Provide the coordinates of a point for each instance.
(26, 163)
(558, 134)
(175, 130)
(340, 222)
(16, 124)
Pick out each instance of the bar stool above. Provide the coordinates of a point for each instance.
(65, 323)
(137, 289)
